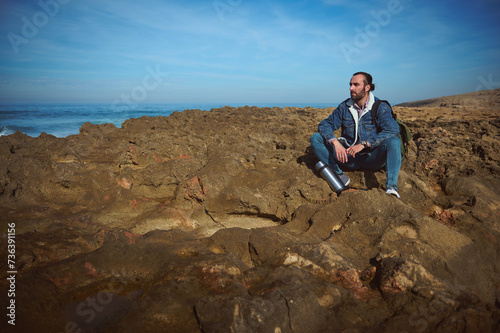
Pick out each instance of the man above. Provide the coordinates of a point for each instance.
(365, 143)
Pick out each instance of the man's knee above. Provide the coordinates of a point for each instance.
(393, 142)
(393, 150)
(316, 138)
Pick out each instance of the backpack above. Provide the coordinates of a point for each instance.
(404, 131)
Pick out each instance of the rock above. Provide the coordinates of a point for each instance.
(218, 221)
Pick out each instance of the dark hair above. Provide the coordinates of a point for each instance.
(368, 79)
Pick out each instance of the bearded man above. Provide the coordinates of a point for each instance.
(365, 143)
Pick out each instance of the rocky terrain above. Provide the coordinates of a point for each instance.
(216, 221)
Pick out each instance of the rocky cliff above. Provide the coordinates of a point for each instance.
(217, 222)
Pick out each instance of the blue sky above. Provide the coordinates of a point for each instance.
(244, 51)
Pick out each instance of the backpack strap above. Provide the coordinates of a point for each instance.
(374, 111)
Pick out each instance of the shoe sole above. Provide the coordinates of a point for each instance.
(394, 194)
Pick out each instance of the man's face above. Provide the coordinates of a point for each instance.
(358, 87)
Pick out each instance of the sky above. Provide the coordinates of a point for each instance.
(244, 51)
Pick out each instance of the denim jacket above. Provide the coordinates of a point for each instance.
(356, 130)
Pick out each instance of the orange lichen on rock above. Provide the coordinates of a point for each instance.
(125, 183)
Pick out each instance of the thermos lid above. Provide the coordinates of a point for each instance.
(320, 166)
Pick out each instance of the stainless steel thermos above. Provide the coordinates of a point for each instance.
(330, 176)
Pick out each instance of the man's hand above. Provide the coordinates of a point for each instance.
(355, 149)
(340, 151)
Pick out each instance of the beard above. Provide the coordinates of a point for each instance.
(357, 96)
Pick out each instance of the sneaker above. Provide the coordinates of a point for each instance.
(392, 191)
(343, 177)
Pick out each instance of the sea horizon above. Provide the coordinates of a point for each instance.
(64, 119)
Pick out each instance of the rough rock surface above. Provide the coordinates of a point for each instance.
(217, 222)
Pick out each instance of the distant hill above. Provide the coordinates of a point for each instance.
(489, 97)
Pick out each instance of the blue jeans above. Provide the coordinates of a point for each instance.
(387, 154)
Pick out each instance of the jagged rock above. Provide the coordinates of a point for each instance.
(217, 221)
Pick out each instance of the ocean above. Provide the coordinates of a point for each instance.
(62, 120)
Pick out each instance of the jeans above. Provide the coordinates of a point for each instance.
(387, 154)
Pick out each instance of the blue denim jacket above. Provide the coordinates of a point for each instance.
(356, 130)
